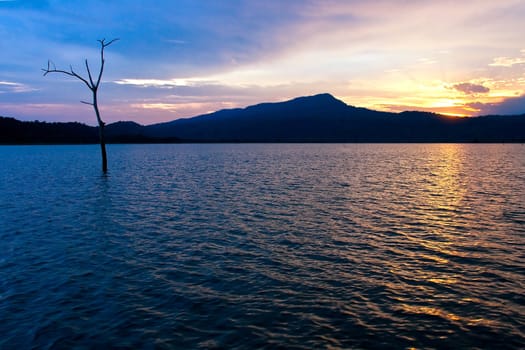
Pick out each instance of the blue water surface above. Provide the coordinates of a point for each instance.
(263, 246)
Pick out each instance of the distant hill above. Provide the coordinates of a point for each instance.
(131, 132)
(323, 118)
(13, 131)
(319, 118)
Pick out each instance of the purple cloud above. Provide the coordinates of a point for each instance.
(509, 106)
(470, 89)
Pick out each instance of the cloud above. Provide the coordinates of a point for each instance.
(509, 106)
(456, 110)
(507, 61)
(185, 109)
(176, 41)
(159, 83)
(11, 87)
(470, 89)
(244, 51)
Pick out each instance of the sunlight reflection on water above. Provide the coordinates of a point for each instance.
(246, 246)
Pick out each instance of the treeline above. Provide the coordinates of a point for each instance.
(13, 131)
(319, 118)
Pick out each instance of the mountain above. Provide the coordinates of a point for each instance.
(323, 118)
(319, 118)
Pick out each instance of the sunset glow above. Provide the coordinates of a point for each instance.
(184, 58)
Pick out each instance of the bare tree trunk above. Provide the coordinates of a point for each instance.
(101, 134)
(103, 148)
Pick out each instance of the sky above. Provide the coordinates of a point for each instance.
(182, 58)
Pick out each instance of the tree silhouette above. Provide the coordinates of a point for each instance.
(93, 86)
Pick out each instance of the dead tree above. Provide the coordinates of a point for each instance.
(93, 86)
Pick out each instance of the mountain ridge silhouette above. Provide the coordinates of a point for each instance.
(317, 118)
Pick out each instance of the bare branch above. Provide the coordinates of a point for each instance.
(51, 68)
(108, 43)
(71, 73)
(89, 74)
(103, 45)
(54, 70)
(87, 103)
(48, 70)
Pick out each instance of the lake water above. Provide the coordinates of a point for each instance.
(263, 246)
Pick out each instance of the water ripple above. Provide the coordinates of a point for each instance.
(263, 246)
